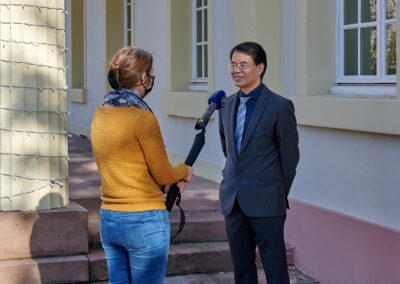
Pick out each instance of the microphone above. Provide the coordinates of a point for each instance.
(215, 101)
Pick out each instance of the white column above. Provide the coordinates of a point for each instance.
(33, 137)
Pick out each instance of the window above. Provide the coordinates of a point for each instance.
(128, 22)
(77, 44)
(367, 41)
(199, 41)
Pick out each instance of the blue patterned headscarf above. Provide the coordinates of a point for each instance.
(125, 98)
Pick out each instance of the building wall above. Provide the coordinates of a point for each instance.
(345, 193)
(95, 65)
(181, 107)
(354, 173)
(349, 145)
(344, 217)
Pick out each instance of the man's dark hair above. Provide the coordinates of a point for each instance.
(255, 51)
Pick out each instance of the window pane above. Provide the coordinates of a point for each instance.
(350, 11)
(350, 52)
(205, 25)
(205, 2)
(129, 38)
(199, 62)
(391, 9)
(205, 61)
(368, 51)
(198, 26)
(198, 3)
(128, 17)
(368, 11)
(391, 49)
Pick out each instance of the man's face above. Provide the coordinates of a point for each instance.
(245, 74)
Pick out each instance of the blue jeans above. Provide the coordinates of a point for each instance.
(136, 245)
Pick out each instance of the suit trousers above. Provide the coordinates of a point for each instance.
(244, 233)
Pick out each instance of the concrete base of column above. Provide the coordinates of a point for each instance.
(48, 246)
(65, 269)
(55, 232)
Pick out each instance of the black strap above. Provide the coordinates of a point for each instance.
(182, 222)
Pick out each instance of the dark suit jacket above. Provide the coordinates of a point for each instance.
(261, 176)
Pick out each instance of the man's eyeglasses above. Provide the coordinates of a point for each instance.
(240, 67)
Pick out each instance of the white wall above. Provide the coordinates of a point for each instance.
(350, 172)
(288, 48)
(150, 33)
(354, 173)
(222, 45)
(95, 49)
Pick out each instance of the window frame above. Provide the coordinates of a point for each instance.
(380, 25)
(195, 44)
(128, 4)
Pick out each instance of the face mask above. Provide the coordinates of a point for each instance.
(148, 90)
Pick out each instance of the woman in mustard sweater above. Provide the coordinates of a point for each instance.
(133, 164)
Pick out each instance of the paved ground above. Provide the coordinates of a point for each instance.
(296, 277)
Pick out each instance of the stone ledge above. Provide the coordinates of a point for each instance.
(367, 114)
(45, 233)
(67, 269)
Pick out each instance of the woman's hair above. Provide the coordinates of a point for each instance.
(128, 65)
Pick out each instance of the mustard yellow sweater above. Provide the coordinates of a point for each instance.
(131, 158)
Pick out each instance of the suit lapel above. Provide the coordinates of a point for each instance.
(262, 103)
(232, 122)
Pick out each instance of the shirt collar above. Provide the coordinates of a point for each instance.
(254, 94)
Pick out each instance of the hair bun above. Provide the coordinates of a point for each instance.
(113, 79)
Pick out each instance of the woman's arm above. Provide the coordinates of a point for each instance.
(152, 144)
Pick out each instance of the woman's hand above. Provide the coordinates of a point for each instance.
(181, 185)
(190, 174)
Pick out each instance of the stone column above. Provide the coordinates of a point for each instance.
(33, 128)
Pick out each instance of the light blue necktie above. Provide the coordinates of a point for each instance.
(240, 118)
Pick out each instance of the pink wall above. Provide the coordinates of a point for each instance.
(335, 248)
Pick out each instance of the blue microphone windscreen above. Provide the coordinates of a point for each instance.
(218, 98)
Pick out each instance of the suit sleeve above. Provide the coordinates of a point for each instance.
(221, 133)
(288, 139)
(153, 148)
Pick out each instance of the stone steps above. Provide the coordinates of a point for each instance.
(201, 248)
(184, 258)
(48, 246)
(200, 225)
(63, 269)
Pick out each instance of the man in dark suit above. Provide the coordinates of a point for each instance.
(259, 139)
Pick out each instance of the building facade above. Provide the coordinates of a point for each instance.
(335, 59)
